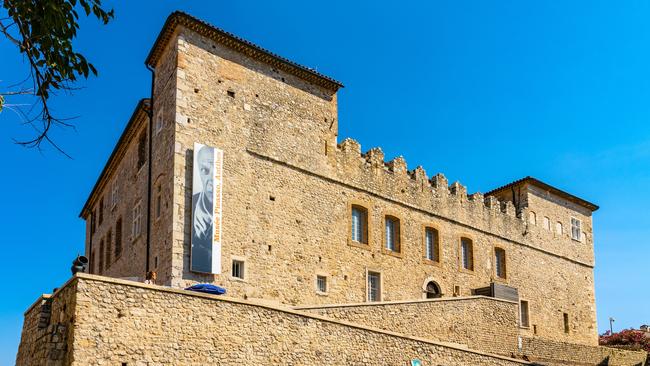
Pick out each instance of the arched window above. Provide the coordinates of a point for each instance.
(532, 217)
(500, 262)
(467, 253)
(359, 224)
(432, 290)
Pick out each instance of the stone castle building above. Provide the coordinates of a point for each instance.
(329, 254)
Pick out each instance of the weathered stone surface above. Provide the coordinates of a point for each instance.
(279, 135)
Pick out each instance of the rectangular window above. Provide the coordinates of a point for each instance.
(114, 195)
(374, 286)
(101, 211)
(558, 228)
(524, 319)
(142, 149)
(500, 262)
(93, 262)
(137, 220)
(321, 284)
(101, 257)
(467, 253)
(431, 245)
(93, 222)
(359, 224)
(158, 201)
(576, 229)
(392, 234)
(547, 223)
(118, 238)
(238, 269)
(109, 243)
(565, 317)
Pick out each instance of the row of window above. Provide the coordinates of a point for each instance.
(359, 235)
(105, 250)
(576, 226)
(108, 253)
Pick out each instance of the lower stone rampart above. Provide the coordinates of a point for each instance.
(128, 323)
(481, 323)
(564, 354)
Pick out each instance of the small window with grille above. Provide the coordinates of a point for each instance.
(321, 284)
(237, 269)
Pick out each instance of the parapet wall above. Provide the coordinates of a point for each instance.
(481, 323)
(560, 353)
(122, 322)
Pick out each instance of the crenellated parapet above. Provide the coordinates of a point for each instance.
(394, 179)
(393, 182)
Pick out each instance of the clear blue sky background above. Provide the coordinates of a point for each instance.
(484, 92)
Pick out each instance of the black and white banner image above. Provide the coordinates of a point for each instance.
(207, 183)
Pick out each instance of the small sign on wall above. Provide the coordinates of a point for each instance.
(207, 187)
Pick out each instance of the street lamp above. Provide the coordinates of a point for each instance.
(611, 327)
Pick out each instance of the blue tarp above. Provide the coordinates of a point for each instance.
(208, 289)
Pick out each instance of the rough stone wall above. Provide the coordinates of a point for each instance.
(481, 323)
(162, 175)
(560, 353)
(287, 193)
(131, 183)
(47, 340)
(119, 322)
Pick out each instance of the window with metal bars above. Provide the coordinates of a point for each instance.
(374, 286)
(467, 253)
(359, 224)
(392, 234)
(431, 244)
(321, 284)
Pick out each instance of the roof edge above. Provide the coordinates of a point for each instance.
(142, 107)
(536, 182)
(237, 43)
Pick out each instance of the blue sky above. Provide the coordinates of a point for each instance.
(484, 92)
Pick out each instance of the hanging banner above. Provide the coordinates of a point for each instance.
(207, 182)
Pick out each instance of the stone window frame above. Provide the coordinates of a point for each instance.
(327, 283)
(424, 287)
(365, 205)
(115, 188)
(139, 217)
(566, 322)
(461, 268)
(561, 227)
(399, 253)
(243, 260)
(496, 276)
(532, 217)
(381, 284)
(579, 239)
(426, 260)
(546, 223)
(520, 317)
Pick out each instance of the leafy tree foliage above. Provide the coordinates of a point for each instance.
(43, 31)
(627, 338)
